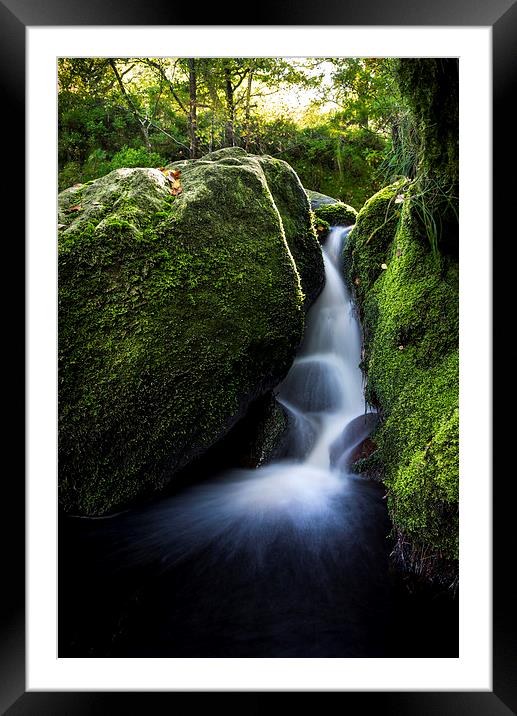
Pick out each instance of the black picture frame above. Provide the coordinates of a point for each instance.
(15, 16)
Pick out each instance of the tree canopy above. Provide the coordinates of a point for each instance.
(346, 125)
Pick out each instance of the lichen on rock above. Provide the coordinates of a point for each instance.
(175, 313)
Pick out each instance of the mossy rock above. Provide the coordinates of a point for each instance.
(368, 243)
(269, 431)
(411, 327)
(317, 199)
(338, 214)
(293, 205)
(175, 313)
(321, 226)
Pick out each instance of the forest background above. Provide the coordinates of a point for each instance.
(340, 122)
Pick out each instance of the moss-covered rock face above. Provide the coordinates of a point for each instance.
(410, 317)
(293, 205)
(338, 214)
(174, 314)
(367, 245)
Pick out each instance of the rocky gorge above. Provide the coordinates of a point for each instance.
(180, 315)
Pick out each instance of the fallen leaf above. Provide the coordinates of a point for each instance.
(176, 187)
(173, 176)
(77, 207)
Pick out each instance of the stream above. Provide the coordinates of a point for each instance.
(290, 559)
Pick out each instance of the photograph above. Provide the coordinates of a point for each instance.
(258, 357)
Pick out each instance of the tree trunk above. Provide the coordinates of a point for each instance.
(247, 122)
(144, 128)
(194, 141)
(145, 133)
(230, 109)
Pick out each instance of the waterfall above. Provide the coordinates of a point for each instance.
(290, 559)
(302, 494)
(323, 390)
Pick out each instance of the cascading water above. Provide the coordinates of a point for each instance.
(323, 390)
(247, 509)
(285, 560)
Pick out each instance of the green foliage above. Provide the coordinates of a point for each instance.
(148, 111)
(72, 173)
(336, 160)
(140, 157)
(365, 89)
(98, 165)
(402, 152)
(86, 123)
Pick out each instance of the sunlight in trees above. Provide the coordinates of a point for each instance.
(328, 117)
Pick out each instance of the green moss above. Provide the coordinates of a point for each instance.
(430, 87)
(293, 205)
(337, 214)
(321, 226)
(410, 320)
(368, 244)
(174, 314)
(424, 489)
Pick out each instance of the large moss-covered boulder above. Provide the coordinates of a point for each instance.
(175, 313)
(409, 304)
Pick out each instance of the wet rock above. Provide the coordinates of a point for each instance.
(354, 443)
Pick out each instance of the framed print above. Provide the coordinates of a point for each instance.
(43, 673)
